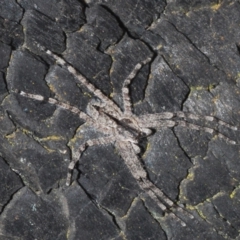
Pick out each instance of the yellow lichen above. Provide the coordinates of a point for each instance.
(159, 46)
(10, 136)
(197, 88)
(201, 214)
(148, 148)
(190, 176)
(234, 192)
(52, 138)
(215, 7)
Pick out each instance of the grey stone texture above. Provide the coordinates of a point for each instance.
(194, 48)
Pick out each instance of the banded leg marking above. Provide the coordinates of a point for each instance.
(205, 129)
(155, 194)
(218, 122)
(147, 118)
(57, 103)
(163, 120)
(85, 82)
(76, 155)
(139, 173)
(125, 91)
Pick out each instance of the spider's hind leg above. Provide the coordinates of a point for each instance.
(166, 204)
(125, 90)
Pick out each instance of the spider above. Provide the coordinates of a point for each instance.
(124, 129)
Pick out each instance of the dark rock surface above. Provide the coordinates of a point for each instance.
(69, 14)
(11, 33)
(11, 10)
(39, 29)
(81, 49)
(195, 61)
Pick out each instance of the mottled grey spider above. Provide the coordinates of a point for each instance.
(124, 129)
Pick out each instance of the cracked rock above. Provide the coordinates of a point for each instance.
(10, 183)
(141, 225)
(214, 173)
(10, 10)
(30, 216)
(164, 89)
(194, 67)
(68, 13)
(39, 169)
(105, 26)
(84, 214)
(186, 61)
(82, 53)
(159, 158)
(135, 15)
(212, 29)
(11, 33)
(39, 29)
(108, 180)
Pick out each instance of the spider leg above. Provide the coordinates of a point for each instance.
(91, 111)
(139, 173)
(156, 194)
(56, 103)
(125, 90)
(136, 148)
(205, 129)
(85, 82)
(144, 119)
(218, 122)
(148, 118)
(162, 120)
(77, 154)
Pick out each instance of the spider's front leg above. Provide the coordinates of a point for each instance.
(125, 90)
(54, 102)
(77, 154)
(84, 81)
